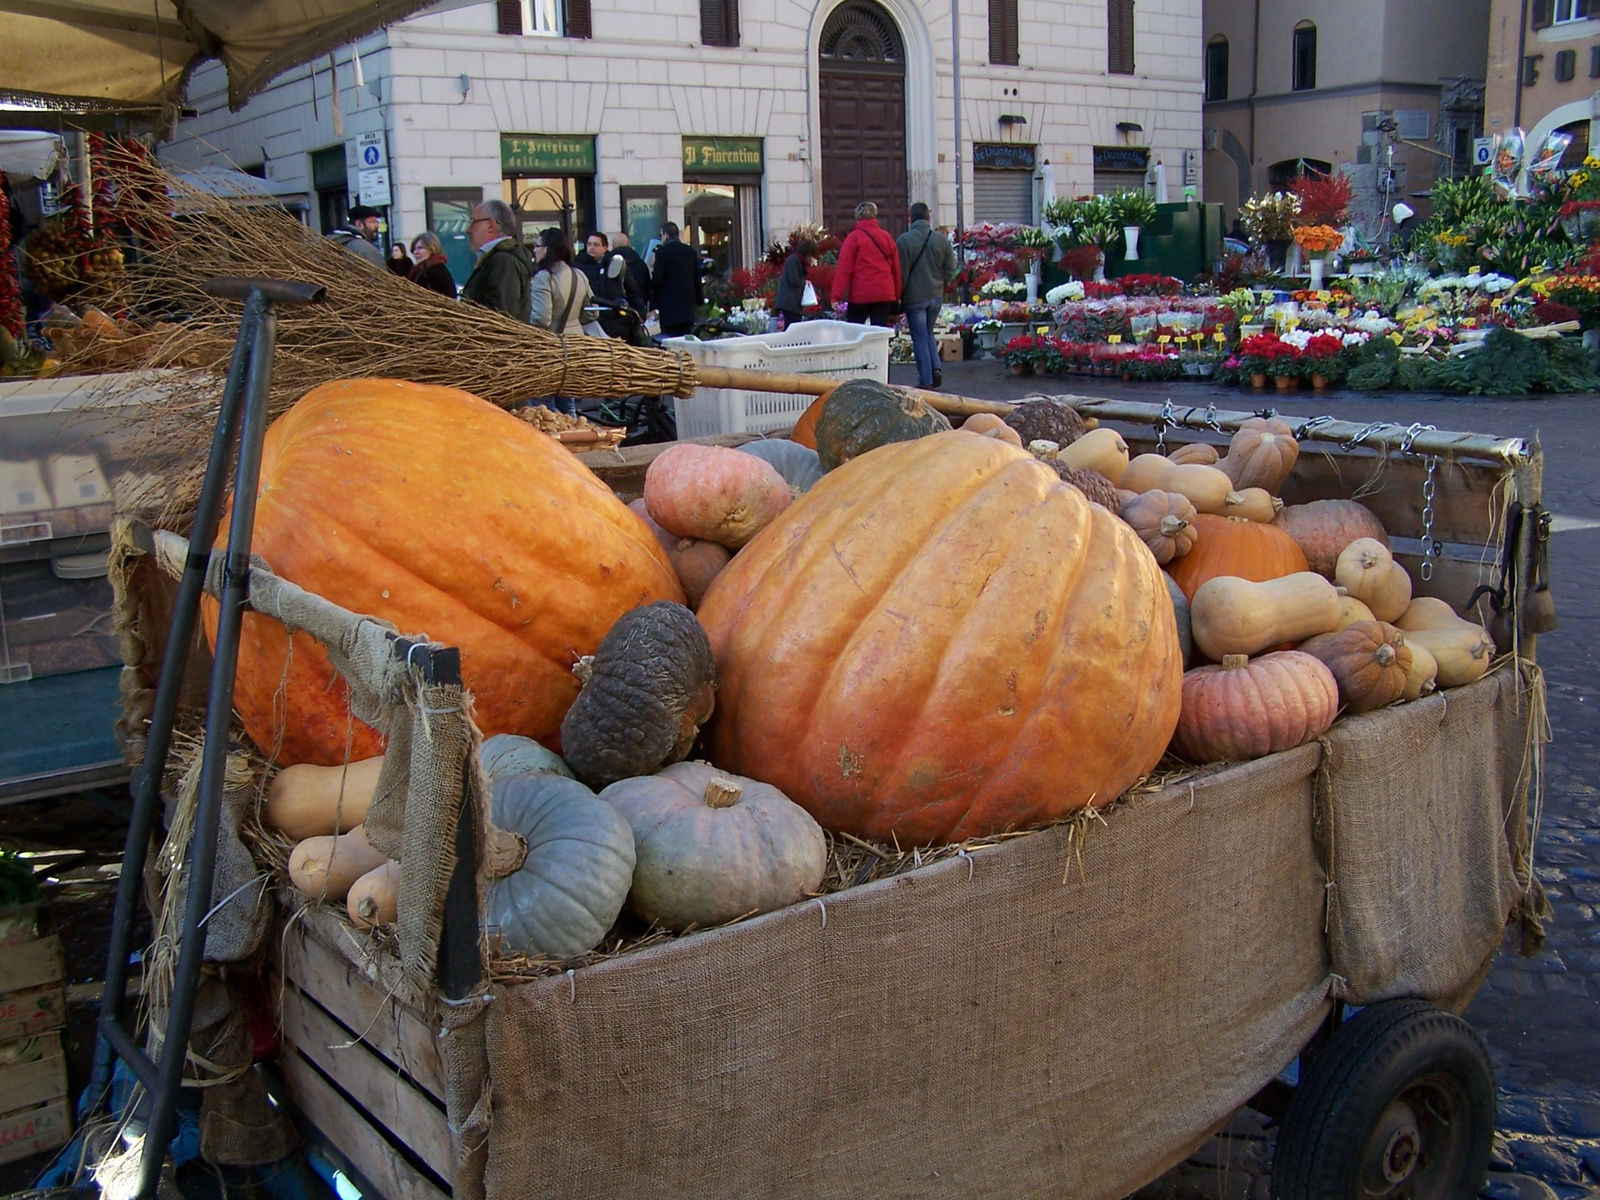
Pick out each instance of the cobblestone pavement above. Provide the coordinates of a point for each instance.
(1540, 1016)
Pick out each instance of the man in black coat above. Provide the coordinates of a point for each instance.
(502, 276)
(595, 262)
(675, 283)
(637, 271)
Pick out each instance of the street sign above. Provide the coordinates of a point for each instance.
(371, 152)
(374, 187)
(1482, 152)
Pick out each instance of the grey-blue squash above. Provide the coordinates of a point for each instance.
(575, 878)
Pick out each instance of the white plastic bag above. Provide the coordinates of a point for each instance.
(808, 298)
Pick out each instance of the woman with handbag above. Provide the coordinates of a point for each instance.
(868, 275)
(559, 293)
(793, 285)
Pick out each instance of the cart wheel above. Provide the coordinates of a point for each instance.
(1398, 1103)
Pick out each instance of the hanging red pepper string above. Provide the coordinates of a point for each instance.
(11, 311)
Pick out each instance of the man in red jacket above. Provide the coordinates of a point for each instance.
(868, 274)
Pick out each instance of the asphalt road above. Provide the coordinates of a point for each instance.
(1541, 1015)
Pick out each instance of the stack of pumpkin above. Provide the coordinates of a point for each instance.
(1301, 610)
(903, 632)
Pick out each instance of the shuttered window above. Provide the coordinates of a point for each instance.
(1002, 197)
(1003, 44)
(1119, 37)
(719, 22)
(544, 17)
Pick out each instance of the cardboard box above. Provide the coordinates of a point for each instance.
(36, 1001)
(33, 1071)
(31, 1130)
(950, 347)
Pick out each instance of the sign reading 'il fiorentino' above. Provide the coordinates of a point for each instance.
(551, 154)
(722, 156)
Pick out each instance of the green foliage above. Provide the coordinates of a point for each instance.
(1134, 207)
(1387, 290)
(1463, 201)
(1506, 364)
(1373, 365)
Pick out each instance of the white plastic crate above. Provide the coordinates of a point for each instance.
(829, 349)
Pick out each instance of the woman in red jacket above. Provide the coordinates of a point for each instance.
(868, 274)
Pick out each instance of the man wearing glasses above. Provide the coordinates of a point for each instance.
(500, 280)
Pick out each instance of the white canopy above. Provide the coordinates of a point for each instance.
(28, 155)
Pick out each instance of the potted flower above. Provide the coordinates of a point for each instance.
(1134, 210)
(1259, 357)
(1323, 360)
(1270, 219)
(1028, 355)
(1317, 241)
(987, 332)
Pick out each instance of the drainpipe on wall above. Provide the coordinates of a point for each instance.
(1255, 83)
(1522, 49)
(955, 85)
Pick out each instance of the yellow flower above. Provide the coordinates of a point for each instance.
(1578, 179)
(1591, 161)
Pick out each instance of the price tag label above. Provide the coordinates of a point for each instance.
(1042, 330)
(1219, 337)
(1115, 339)
(1344, 312)
(1164, 340)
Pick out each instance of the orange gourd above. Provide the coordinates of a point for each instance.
(1248, 708)
(696, 560)
(942, 640)
(1323, 528)
(714, 493)
(439, 512)
(805, 429)
(1234, 546)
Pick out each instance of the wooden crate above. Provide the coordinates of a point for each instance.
(35, 1000)
(39, 1079)
(33, 1130)
(363, 1071)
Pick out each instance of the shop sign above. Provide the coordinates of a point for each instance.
(1121, 158)
(374, 187)
(546, 154)
(1002, 156)
(722, 156)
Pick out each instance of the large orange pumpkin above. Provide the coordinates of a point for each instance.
(434, 510)
(1234, 546)
(942, 640)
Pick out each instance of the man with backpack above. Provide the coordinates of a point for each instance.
(930, 266)
(868, 275)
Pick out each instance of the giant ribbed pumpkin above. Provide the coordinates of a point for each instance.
(434, 510)
(1236, 546)
(943, 640)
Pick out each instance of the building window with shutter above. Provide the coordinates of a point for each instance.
(1217, 69)
(1566, 65)
(1003, 45)
(1305, 57)
(1119, 37)
(719, 22)
(1545, 13)
(544, 18)
(1594, 62)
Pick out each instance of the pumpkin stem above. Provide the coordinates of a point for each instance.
(1385, 654)
(1233, 498)
(584, 669)
(1277, 505)
(1042, 448)
(1234, 662)
(723, 793)
(1171, 526)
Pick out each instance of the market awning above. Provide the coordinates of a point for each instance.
(28, 155)
(133, 56)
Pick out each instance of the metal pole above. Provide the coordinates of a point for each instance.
(955, 76)
(214, 760)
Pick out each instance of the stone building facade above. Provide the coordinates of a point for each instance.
(1544, 73)
(1338, 85)
(736, 120)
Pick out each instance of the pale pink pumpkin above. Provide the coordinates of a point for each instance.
(714, 493)
(1248, 708)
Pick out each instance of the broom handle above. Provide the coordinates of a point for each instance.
(742, 380)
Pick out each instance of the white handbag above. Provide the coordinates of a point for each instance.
(808, 298)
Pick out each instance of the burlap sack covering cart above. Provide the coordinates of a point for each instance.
(1066, 1012)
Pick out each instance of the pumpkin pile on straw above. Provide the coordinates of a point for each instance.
(373, 323)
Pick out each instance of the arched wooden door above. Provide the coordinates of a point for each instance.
(862, 83)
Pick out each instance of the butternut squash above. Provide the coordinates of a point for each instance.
(1463, 654)
(1229, 615)
(1254, 504)
(1424, 670)
(325, 867)
(1462, 649)
(1101, 450)
(305, 801)
(1208, 489)
(375, 898)
(1352, 610)
(1367, 570)
(1202, 454)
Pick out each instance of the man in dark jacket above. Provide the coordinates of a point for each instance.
(928, 264)
(675, 283)
(502, 276)
(637, 271)
(612, 285)
(360, 237)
